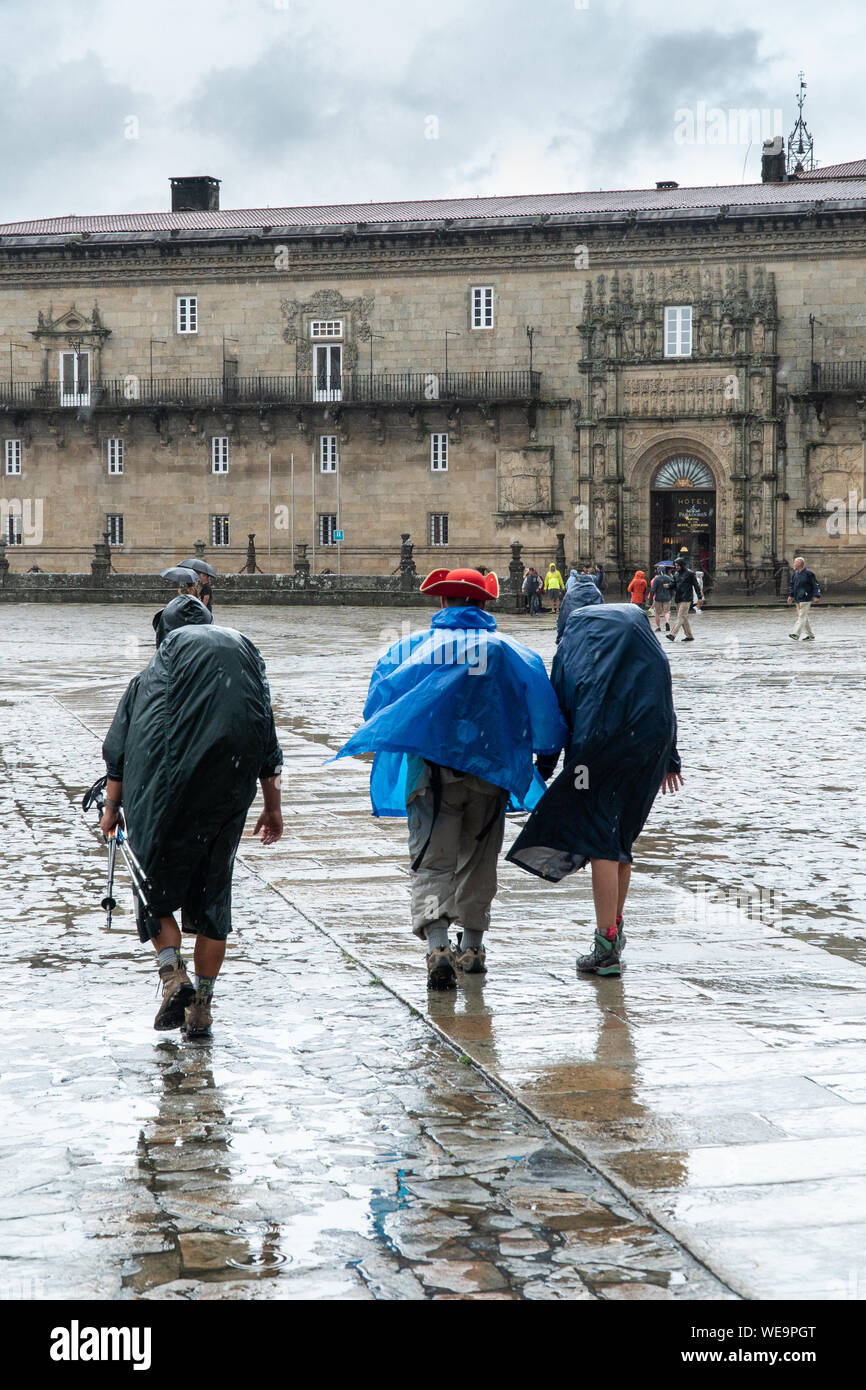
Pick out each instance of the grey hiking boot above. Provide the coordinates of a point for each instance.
(440, 968)
(177, 992)
(605, 956)
(472, 961)
(198, 1019)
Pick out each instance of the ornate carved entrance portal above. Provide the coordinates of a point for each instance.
(683, 512)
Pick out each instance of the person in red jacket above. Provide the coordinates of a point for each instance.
(638, 587)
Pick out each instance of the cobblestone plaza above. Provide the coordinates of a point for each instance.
(692, 1131)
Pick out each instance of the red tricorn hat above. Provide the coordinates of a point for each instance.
(468, 584)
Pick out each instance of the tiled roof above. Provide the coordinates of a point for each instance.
(855, 169)
(819, 185)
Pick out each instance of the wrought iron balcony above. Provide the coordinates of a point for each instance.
(846, 377)
(356, 388)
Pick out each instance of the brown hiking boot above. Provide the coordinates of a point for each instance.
(177, 992)
(472, 960)
(440, 968)
(198, 1019)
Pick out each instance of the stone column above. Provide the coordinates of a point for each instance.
(515, 574)
(4, 563)
(199, 550)
(101, 562)
(302, 564)
(560, 553)
(407, 564)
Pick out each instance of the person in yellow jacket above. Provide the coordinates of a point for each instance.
(553, 584)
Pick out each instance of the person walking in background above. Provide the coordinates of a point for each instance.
(532, 587)
(638, 587)
(660, 598)
(597, 576)
(685, 585)
(554, 585)
(804, 590)
(572, 580)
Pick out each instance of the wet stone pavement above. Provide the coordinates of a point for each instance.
(696, 1130)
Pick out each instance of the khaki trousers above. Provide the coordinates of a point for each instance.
(802, 624)
(456, 879)
(681, 621)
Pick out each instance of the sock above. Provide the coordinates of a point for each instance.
(204, 986)
(471, 939)
(170, 956)
(437, 938)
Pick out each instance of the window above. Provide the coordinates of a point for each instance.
(327, 372)
(219, 453)
(678, 331)
(13, 455)
(482, 306)
(438, 528)
(13, 529)
(75, 378)
(328, 456)
(439, 453)
(326, 328)
(327, 527)
(115, 455)
(219, 530)
(187, 313)
(114, 527)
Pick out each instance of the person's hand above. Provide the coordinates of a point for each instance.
(108, 824)
(270, 823)
(789, 599)
(672, 783)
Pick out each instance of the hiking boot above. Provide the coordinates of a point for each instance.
(177, 992)
(197, 1019)
(472, 960)
(440, 968)
(670, 636)
(604, 958)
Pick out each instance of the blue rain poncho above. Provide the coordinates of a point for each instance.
(466, 697)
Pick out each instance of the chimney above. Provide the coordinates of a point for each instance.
(773, 161)
(666, 183)
(200, 194)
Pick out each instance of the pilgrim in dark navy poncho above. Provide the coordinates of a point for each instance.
(454, 716)
(613, 684)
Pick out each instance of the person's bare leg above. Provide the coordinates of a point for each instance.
(624, 879)
(169, 934)
(605, 891)
(209, 956)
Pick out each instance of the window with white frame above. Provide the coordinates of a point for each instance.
(678, 331)
(327, 528)
(219, 453)
(438, 528)
(14, 530)
(328, 455)
(114, 527)
(439, 453)
(115, 455)
(326, 328)
(219, 529)
(187, 313)
(482, 306)
(13, 455)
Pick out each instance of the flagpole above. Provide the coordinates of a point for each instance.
(292, 465)
(269, 513)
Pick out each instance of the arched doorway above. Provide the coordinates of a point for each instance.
(683, 512)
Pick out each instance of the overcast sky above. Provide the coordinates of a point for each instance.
(293, 102)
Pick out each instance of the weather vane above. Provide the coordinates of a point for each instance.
(800, 154)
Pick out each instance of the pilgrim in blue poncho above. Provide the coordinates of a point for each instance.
(454, 716)
(614, 687)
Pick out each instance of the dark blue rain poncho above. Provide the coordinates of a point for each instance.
(584, 593)
(464, 696)
(613, 683)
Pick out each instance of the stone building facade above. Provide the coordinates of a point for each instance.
(604, 376)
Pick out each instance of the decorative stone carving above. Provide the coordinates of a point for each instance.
(524, 480)
(599, 397)
(327, 304)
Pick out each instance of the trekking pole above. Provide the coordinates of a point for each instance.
(94, 797)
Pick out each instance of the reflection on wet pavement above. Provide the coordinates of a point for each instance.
(327, 1144)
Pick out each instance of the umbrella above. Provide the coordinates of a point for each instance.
(200, 566)
(664, 564)
(178, 575)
